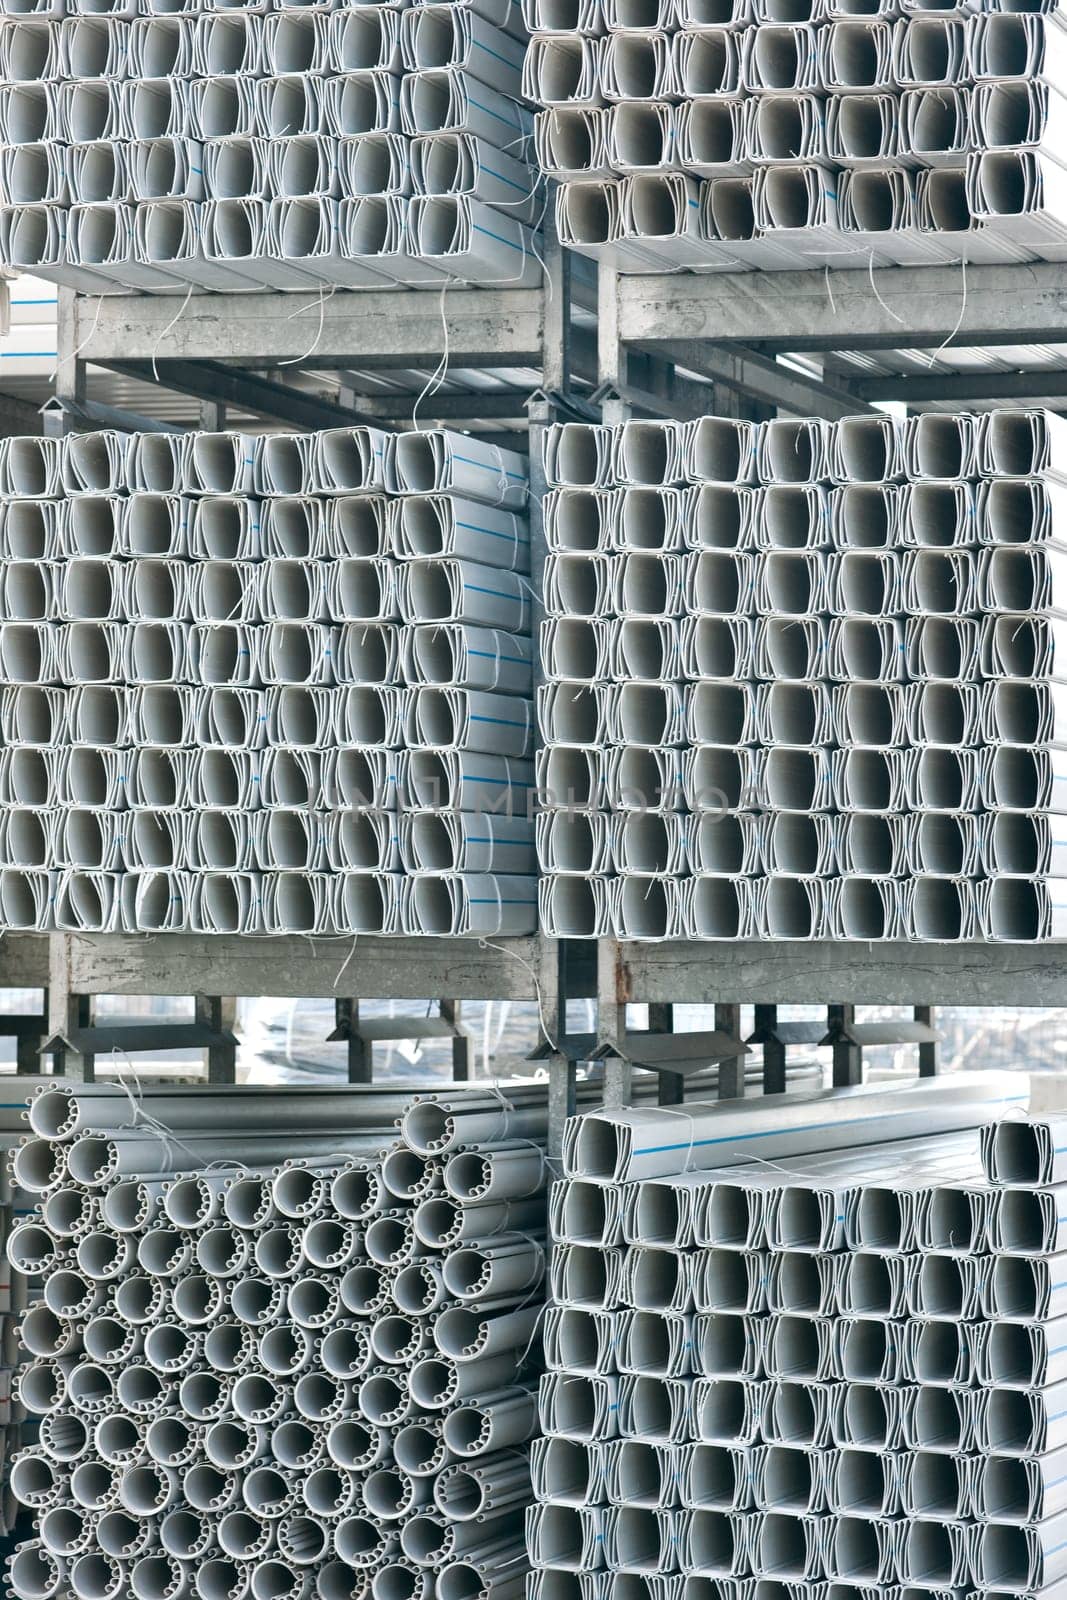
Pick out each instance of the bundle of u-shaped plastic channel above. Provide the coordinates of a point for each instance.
(287, 147)
(265, 685)
(814, 1370)
(788, 134)
(805, 679)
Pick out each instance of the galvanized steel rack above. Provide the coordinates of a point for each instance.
(260, 353)
(681, 345)
(831, 345)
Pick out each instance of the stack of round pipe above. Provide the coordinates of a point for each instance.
(297, 1381)
(802, 679)
(838, 1368)
(265, 685)
(283, 148)
(791, 134)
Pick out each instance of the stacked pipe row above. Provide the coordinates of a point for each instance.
(817, 1369)
(804, 679)
(12, 1431)
(15, 1204)
(777, 134)
(286, 148)
(282, 1382)
(275, 684)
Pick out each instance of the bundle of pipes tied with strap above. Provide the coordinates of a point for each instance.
(812, 1344)
(282, 1343)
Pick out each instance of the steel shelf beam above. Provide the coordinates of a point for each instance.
(295, 967)
(387, 328)
(835, 972)
(24, 961)
(889, 308)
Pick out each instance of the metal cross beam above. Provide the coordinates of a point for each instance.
(855, 310)
(759, 376)
(244, 391)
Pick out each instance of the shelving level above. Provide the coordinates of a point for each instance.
(946, 338)
(469, 358)
(513, 359)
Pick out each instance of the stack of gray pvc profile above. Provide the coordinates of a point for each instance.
(833, 1374)
(803, 679)
(786, 134)
(261, 147)
(14, 1206)
(287, 1362)
(272, 684)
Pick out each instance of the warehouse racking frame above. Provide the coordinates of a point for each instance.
(675, 345)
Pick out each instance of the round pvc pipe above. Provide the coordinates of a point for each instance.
(279, 1250)
(157, 1577)
(253, 1301)
(419, 1287)
(197, 1298)
(38, 1165)
(32, 1250)
(276, 1580)
(93, 1485)
(121, 1535)
(295, 1445)
(63, 1437)
(42, 1386)
(186, 1535)
(267, 1492)
(243, 1536)
(426, 1540)
(397, 1339)
(207, 1488)
(399, 1580)
(320, 1398)
(35, 1573)
(45, 1334)
(298, 1191)
(96, 1576)
(364, 1289)
(119, 1439)
(389, 1239)
(221, 1579)
(328, 1492)
(419, 1449)
(354, 1444)
(146, 1489)
(248, 1202)
(171, 1347)
(139, 1298)
(233, 1445)
(173, 1440)
(285, 1350)
(141, 1390)
(228, 1346)
(302, 1539)
(359, 1541)
(475, 1427)
(384, 1398)
(461, 1580)
(345, 1352)
(334, 1581)
(328, 1243)
(111, 1340)
(257, 1398)
(131, 1204)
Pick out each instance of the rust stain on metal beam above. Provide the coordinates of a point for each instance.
(623, 979)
